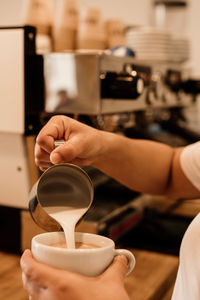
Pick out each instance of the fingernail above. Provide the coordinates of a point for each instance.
(122, 258)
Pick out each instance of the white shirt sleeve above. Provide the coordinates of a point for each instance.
(190, 163)
(187, 285)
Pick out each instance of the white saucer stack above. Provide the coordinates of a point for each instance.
(157, 44)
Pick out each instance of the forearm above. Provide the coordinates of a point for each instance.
(142, 165)
(145, 166)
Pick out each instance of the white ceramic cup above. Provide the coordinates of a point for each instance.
(89, 262)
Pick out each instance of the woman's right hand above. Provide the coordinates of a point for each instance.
(82, 146)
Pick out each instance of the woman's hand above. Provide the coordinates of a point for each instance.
(46, 283)
(82, 144)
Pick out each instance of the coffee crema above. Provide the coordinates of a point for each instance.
(78, 245)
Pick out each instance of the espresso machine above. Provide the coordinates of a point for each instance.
(109, 92)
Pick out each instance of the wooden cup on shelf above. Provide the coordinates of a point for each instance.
(91, 33)
(115, 33)
(39, 13)
(65, 25)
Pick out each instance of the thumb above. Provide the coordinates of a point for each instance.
(118, 268)
(63, 153)
(27, 255)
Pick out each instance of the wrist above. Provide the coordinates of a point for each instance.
(107, 149)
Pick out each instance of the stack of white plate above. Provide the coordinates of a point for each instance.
(150, 43)
(180, 48)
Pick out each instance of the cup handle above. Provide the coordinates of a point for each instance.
(129, 255)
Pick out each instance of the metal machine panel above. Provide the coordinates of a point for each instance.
(14, 176)
(89, 83)
(12, 80)
(72, 83)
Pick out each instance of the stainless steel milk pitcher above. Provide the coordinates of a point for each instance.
(61, 185)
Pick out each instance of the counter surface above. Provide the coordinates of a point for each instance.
(152, 279)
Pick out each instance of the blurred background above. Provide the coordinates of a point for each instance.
(129, 67)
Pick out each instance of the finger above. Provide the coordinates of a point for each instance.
(28, 264)
(27, 253)
(54, 129)
(40, 274)
(118, 268)
(64, 153)
(40, 154)
(33, 288)
(43, 164)
(25, 258)
(24, 280)
(46, 142)
(44, 167)
(42, 159)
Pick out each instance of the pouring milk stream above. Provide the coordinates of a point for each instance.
(67, 217)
